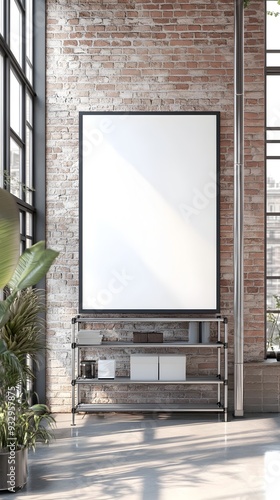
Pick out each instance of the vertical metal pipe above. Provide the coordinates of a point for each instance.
(73, 360)
(238, 205)
(226, 367)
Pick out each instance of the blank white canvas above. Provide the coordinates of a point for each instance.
(149, 212)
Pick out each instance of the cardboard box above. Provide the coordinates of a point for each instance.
(172, 367)
(140, 337)
(156, 337)
(144, 367)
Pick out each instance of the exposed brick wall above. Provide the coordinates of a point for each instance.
(262, 387)
(150, 56)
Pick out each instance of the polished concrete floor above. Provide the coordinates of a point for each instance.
(157, 457)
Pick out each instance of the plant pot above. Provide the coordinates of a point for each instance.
(271, 354)
(13, 466)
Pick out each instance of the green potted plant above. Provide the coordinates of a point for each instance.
(21, 425)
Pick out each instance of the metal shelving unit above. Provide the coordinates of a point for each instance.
(221, 382)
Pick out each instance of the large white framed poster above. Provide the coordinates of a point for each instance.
(149, 212)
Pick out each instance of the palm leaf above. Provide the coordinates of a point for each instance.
(23, 332)
(5, 310)
(32, 266)
(9, 236)
(8, 359)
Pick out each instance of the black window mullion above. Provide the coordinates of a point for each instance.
(273, 70)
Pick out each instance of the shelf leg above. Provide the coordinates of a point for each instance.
(225, 415)
(73, 418)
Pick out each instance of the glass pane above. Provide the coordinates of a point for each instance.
(273, 185)
(273, 100)
(28, 167)
(21, 219)
(15, 104)
(15, 168)
(272, 291)
(273, 329)
(29, 40)
(29, 114)
(272, 27)
(29, 29)
(273, 149)
(273, 59)
(29, 226)
(29, 72)
(28, 243)
(2, 17)
(273, 245)
(16, 31)
(273, 135)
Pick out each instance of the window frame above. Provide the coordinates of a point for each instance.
(272, 314)
(12, 65)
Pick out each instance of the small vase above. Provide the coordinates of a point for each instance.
(193, 333)
(205, 333)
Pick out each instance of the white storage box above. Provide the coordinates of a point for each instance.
(143, 367)
(91, 337)
(172, 367)
(106, 368)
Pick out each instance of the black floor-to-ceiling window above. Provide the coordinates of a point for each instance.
(273, 175)
(22, 115)
(17, 109)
